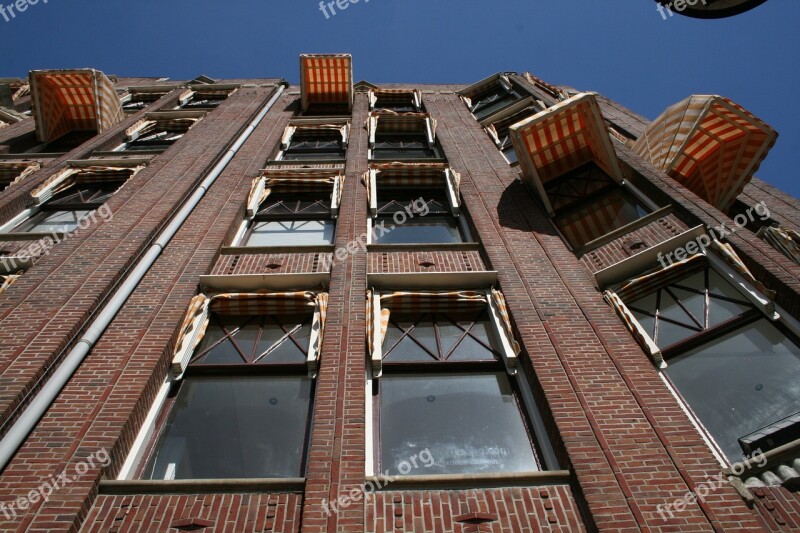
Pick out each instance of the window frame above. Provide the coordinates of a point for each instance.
(425, 136)
(527, 406)
(373, 220)
(133, 136)
(307, 127)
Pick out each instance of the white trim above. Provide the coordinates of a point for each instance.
(369, 230)
(252, 208)
(430, 133)
(314, 347)
(455, 201)
(509, 355)
(376, 357)
(241, 232)
(373, 193)
(748, 291)
(369, 427)
(145, 433)
(20, 218)
(180, 360)
(337, 184)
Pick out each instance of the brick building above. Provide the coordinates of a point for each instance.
(244, 305)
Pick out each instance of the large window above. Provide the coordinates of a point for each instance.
(240, 402)
(445, 387)
(738, 370)
(490, 96)
(292, 220)
(159, 131)
(243, 408)
(589, 204)
(431, 223)
(403, 137)
(305, 141)
(398, 100)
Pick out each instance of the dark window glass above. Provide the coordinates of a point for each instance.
(420, 230)
(231, 340)
(315, 145)
(87, 194)
(740, 383)
(511, 155)
(493, 100)
(234, 427)
(470, 423)
(688, 307)
(401, 147)
(460, 336)
(53, 221)
(160, 140)
(291, 232)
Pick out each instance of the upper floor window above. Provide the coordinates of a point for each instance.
(242, 389)
(491, 95)
(314, 142)
(139, 98)
(397, 100)
(69, 197)
(205, 97)
(723, 347)
(499, 130)
(158, 131)
(444, 384)
(292, 209)
(13, 172)
(403, 137)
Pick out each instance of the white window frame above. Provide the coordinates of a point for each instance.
(295, 126)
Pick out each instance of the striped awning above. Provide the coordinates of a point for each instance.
(784, 240)
(14, 171)
(71, 176)
(412, 175)
(73, 100)
(388, 122)
(295, 181)
(326, 79)
(402, 96)
(709, 144)
(197, 317)
(562, 138)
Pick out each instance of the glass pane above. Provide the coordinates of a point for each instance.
(511, 155)
(408, 350)
(234, 428)
(287, 351)
(740, 383)
(292, 232)
(468, 424)
(54, 221)
(607, 213)
(468, 349)
(722, 310)
(223, 353)
(427, 230)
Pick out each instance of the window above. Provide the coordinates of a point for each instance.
(292, 208)
(314, 142)
(293, 220)
(499, 129)
(206, 98)
(138, 100)
(402, 137)
(443, 386)
(589, 204)
(396, 100)
(491, 95)
(433, 223)
(158, 131)
(738, 370)
(70, 196)
(241, 403)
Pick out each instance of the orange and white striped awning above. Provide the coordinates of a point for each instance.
(562, 138)
(327, 80)
(709, 144)
(73, 100)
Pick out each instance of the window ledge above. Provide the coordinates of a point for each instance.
(255, 250)
(442, 247)
(200, 486)
(28, 236)
(627, 228)
(460, 481)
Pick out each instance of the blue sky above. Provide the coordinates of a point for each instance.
(622, 48)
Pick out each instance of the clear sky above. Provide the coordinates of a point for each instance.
(621, 48)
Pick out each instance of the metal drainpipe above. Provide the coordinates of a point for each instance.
(50, 391)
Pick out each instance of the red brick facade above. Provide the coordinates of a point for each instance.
(623, 438)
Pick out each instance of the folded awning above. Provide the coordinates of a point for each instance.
(709, 144)
(388, 122)
(72, 176)
(296, 181)
(149, 125)
(343, 129)
(401, 96)
(413, 175)
(326, 80)
(563, 138)
(15, 171)
(73, 100)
